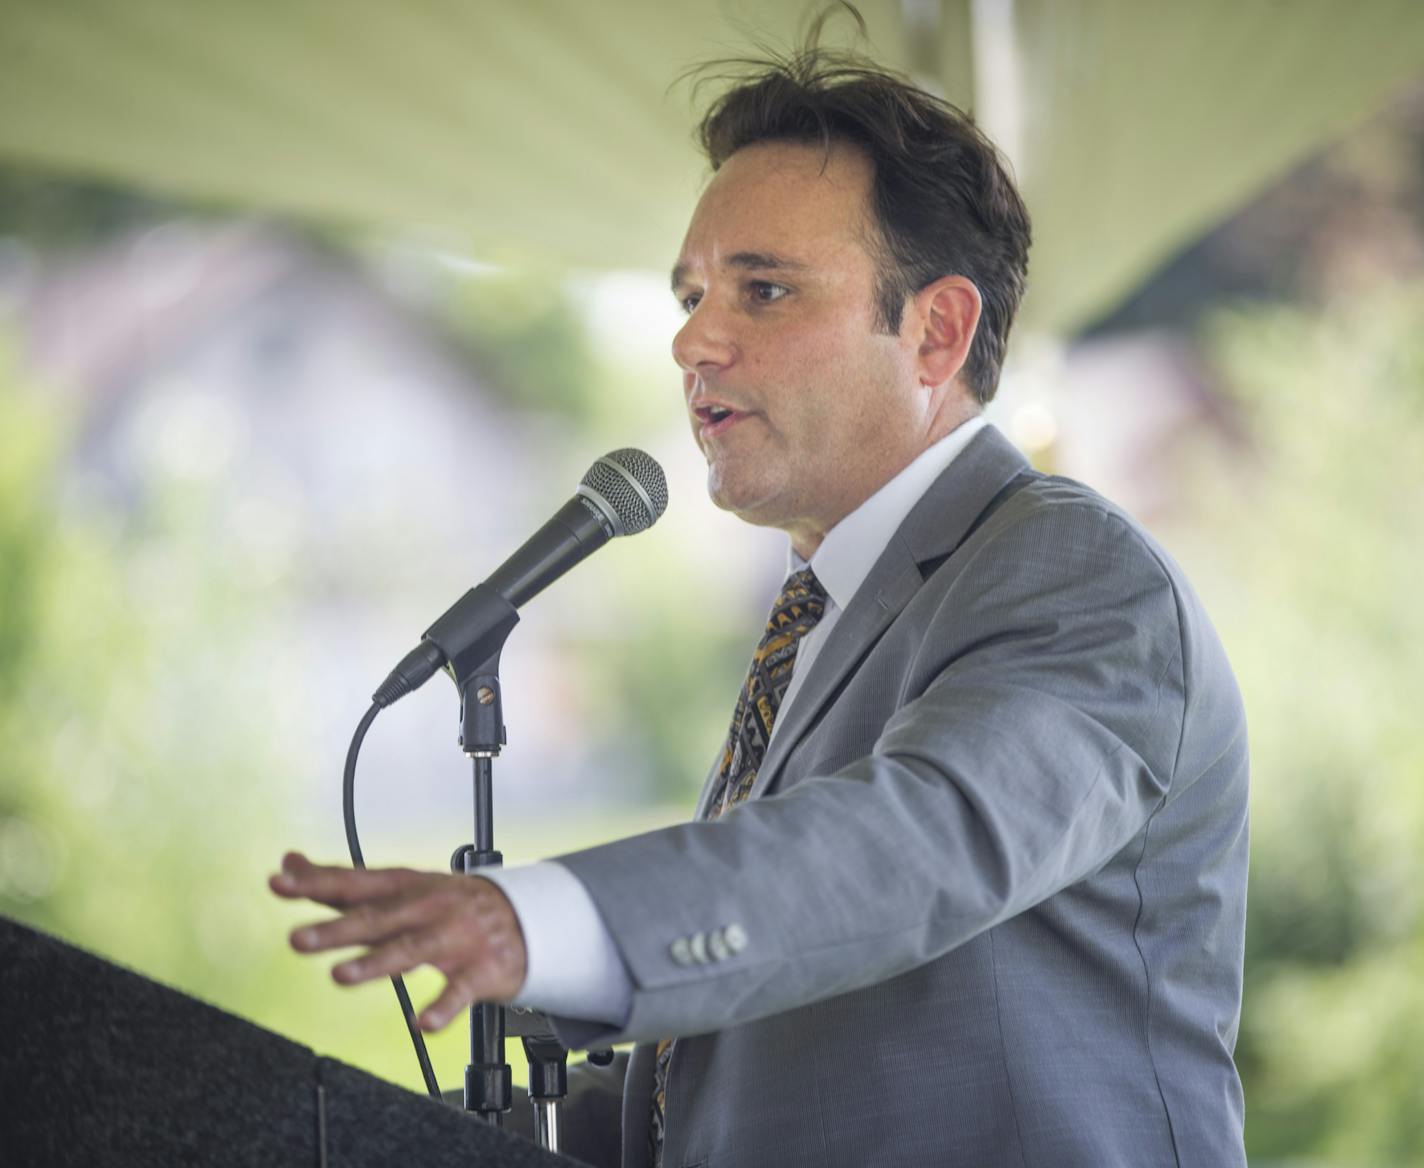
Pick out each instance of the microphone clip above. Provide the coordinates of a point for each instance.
(466, 639)
(470, 636)
(472, 631)
(482, 712)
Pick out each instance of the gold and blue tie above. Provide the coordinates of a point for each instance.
(797, 611)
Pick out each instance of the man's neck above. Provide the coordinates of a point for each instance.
(845, 552)
(807, 535)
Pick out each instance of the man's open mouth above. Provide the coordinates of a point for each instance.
(713, 413)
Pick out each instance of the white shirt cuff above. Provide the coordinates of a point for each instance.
(573, 967)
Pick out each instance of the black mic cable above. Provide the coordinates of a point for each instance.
(353, 844)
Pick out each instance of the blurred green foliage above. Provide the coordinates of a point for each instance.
(1308, 543)
(61, 213)
(519, 330)
(143, 766)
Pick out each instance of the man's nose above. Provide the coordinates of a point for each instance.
(705, 339)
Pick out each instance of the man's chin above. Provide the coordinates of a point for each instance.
(730, 493)
(755, 507)
(725, 495)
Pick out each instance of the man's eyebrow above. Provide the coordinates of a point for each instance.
(759, 261)
(764, 260)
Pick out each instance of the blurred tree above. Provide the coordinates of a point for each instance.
(28, 852)
(1308, 547)
(1349, 217)
(519, 331)
(62, 213)
(150, 745)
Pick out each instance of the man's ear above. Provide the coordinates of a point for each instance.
(948, 312)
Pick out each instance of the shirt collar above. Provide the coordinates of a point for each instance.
(852, 546)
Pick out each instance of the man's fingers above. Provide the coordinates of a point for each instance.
(300, 879)
(453, 998)
(369, 923)
(398, 955)
(464, 928)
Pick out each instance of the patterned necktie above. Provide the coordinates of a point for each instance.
(796, 612)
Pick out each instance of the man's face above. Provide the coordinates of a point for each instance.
(779, 284)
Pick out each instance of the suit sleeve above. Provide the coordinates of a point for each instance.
(1038, 732)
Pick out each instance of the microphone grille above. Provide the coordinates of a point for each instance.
(633, 485)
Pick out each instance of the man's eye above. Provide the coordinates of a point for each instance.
(766, 292)
(689, 303)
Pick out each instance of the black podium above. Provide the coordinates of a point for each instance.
(100, 1066)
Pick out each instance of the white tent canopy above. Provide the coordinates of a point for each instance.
(549, 128)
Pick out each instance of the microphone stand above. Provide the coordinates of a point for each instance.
(488, 1088)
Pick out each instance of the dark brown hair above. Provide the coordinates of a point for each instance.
(942, 199)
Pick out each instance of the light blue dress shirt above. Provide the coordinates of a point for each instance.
(573, 965)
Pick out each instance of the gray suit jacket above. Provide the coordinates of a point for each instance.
(992, 881)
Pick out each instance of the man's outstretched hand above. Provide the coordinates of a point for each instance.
(462, 925)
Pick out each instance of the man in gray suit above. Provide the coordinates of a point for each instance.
(967, 885)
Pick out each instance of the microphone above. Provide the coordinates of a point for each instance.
(623, 493)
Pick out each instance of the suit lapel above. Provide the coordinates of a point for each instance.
(709, 784)
(936, 525)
